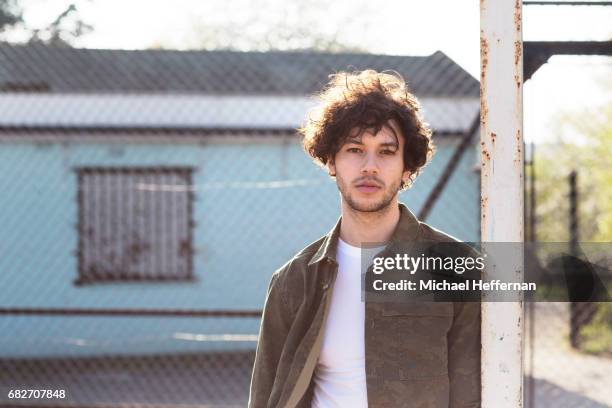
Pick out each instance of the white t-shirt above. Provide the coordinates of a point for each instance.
(340, 378)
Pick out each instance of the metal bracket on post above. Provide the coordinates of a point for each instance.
(501, 109)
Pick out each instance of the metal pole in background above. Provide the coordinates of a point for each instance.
(573, 215)
(533, 236)
(501, 84)
(575, 307)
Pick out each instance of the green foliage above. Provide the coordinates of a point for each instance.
(584, 144)
(596, 337)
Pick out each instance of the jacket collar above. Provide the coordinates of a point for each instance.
(405, 232)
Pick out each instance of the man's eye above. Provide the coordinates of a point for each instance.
(387, 151)
(353, 150)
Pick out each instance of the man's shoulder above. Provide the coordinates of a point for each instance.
(300, 260)
(429, 234)
(432, 234)
(290, 279)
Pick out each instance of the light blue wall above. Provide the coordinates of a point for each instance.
(245, 229)
(457, 211)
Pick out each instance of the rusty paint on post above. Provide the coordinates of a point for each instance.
(501, 146)
(484, 61)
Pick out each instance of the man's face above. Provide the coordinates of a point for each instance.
(369, 168)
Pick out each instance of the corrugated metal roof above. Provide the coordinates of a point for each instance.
(40, 68)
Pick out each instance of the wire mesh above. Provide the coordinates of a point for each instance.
(568, 345)
(148, 196)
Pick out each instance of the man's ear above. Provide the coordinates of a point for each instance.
(331, 167)
(406, 177)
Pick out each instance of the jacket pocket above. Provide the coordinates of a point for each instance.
(415, 339)
(432, 392)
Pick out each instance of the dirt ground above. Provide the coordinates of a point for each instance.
(560, 376)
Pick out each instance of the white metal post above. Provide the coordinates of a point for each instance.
(501, 51)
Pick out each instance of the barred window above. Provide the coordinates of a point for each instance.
(135, 224)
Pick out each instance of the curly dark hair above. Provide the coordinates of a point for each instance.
(367, 100)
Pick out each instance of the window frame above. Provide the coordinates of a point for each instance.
(86, 278)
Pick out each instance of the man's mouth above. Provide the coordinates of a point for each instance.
(368, 187)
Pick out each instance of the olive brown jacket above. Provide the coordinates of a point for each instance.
(420, 355)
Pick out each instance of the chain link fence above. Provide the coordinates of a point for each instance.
(568, 346)
(148, 196)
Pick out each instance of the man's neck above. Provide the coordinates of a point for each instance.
(359, 227)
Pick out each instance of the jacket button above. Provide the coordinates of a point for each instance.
(325, 286)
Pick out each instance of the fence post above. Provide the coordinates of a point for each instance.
(573, 238)
(502, 194)
(581, 313)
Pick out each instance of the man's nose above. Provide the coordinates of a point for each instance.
(369, 166)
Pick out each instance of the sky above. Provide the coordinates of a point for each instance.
(401, 27)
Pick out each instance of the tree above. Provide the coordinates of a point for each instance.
(584, 144)
(61, 31)
(268, 25)
(10, 14)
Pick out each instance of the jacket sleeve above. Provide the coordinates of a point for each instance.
(273, 332)
(464, 356)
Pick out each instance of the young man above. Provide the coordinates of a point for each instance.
(320, 344)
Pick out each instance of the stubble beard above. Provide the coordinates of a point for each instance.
(380, 205)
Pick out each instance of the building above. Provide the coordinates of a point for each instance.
(172, 181)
